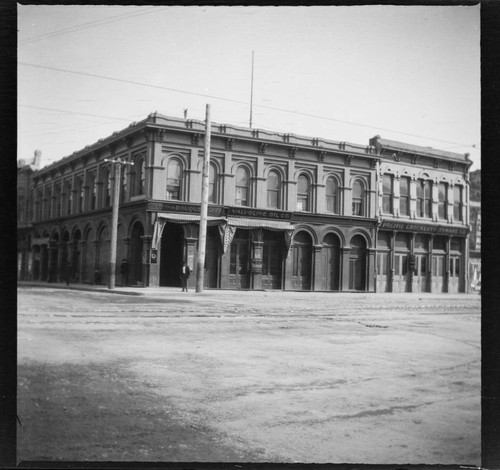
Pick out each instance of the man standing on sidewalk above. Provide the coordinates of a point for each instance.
(185, 272)
(124, 272)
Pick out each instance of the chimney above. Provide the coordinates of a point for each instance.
(38, 159)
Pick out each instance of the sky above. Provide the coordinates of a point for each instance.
(342, 73)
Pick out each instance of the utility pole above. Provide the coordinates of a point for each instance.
(202, 236)
(251, 95)
(117, 163)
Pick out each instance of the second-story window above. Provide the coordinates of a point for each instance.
(457, 203)
(424, 199)
(106, 184)
(442, 200)
(303, 193)
(404, 196)
(79, 194)
(174, 179)
(68, 209)
(242, 183)
(358, 198)
(331, 194)
(213, 190)
(91, 182)
(387, 192)
(273, 190)
(138, 176)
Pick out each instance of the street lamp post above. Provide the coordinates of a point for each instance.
(117, 163)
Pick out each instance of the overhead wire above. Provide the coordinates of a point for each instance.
(298, 113)
(84, 26)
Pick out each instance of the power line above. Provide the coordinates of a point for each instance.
(84, 26)
(297, 113)
(73, 112)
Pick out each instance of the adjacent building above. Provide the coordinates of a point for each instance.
(285, 211)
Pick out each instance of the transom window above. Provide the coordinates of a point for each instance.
(242, 186)
(303, 193)
(331, 194)
(273, 190)
(174, 179)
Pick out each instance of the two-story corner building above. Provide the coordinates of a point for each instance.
(422, 238)
(285, 211)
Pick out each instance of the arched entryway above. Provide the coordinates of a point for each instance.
(302, 261)
(88, 257)
(171, 254)
(103, 255)
(357, 264)
(75, 256)
(136, 255)
(331, 261)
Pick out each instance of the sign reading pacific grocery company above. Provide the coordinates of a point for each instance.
(248, 212)
(421, 228)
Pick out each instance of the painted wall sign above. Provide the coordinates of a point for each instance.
(422, 228)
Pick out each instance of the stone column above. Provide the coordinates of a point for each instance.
(256, 261)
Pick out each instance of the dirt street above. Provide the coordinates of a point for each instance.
(248, 377)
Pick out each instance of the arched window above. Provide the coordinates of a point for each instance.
(457, 203)
(138, 176)
(212, 185)
(92, 191)
(358, 198)
(174, 179)
(331, 194)
(442, 200)
(404, 196)
(80, 190)
(69, 198)
(273, 190)
(387, 192)
(106, 187)
(303, 193)
(242, 186)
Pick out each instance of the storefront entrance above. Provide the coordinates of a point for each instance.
(357, 264)
(272, 259)
(171, 255)
(239, 269)
(331, 258)
(210, 279)
(302, 261)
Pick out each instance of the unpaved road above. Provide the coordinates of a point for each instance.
(248, 377)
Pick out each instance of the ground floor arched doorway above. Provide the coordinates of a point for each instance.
(331, 258)
(302, 261)
(171, 254)
(135, 263)
(357, 264)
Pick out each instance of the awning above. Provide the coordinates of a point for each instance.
(259, 223)
(187, 218)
